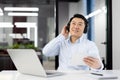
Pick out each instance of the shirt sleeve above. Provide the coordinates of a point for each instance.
(53, 47)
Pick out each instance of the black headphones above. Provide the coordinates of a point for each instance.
(78, 16)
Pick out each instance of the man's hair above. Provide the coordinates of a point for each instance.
(79, 16)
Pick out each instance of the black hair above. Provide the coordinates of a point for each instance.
(78, 16)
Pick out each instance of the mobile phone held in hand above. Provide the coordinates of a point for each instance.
(67, 28)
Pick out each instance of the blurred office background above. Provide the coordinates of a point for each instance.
(43, 20)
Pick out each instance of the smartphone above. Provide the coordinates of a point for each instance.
(67, 28)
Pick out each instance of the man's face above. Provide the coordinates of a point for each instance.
(77, 26)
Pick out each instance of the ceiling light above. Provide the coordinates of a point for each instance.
(17, 35)
(22, 14)
(102, 10)
(21, 9)
(6, 25)
(1, 11)
(93, 13)
(1, 14)
(25, 24)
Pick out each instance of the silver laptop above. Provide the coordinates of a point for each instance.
(27, 62)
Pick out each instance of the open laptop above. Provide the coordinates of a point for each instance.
(27, 62)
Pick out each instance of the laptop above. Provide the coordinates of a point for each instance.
(27, 62)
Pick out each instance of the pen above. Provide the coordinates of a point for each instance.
(98, 74)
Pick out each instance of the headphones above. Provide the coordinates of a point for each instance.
(78, 16)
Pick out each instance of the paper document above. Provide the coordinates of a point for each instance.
(103, 76)
(77, 59)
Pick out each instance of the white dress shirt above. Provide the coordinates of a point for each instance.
(71, 54)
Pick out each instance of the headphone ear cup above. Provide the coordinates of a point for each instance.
(68, 26)
(85, 30)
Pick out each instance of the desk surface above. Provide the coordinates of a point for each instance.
(71, 75)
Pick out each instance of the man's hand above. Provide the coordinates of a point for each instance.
(65, 32)
(92, 62)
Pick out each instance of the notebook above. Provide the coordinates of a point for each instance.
(27, 62)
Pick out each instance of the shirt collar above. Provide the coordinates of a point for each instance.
(84, 36)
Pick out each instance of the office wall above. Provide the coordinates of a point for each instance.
(100, 28)
(63, 16)
(116, 31)
(79, 7)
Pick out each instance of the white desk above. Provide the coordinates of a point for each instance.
(69, 75)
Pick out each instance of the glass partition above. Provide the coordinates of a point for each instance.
(36, 25)
(27, 24)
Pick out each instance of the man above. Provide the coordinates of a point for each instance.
(71, 44)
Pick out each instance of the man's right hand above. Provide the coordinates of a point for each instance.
(65, 32)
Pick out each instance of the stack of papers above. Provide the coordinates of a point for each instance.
(103, 76)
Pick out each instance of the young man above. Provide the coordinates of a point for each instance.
(75, 51)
